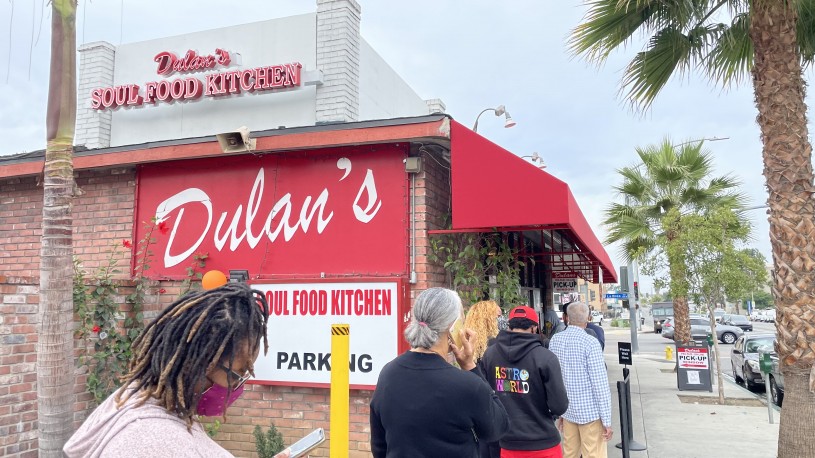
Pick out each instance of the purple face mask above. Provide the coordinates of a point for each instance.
(212, 404)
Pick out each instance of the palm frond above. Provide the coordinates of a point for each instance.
(722, 184)
(806, 31)
(669, 50)
(697, 163)
(671, 180)
(731, 58)
(607, 25)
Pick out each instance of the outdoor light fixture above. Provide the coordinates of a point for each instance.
(236, 142)
(238, 276)
(536, 159)
(508, 121)
(499, 110)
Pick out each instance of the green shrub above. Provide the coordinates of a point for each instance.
(268, 444)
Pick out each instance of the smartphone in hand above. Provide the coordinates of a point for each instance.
(307, 443)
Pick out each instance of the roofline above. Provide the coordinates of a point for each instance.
(432, 127)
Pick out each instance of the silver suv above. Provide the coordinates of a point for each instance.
(700, 328)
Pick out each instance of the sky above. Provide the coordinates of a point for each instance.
(472, 55)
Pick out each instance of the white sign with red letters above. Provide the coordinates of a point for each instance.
(300, 319)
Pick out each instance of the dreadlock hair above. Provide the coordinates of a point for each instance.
(188, 339)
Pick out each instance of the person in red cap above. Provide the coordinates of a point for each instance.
(526, 377)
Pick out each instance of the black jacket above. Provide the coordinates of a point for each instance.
(526, 376)
(423, 406)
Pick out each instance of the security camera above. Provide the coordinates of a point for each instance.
(236, 142)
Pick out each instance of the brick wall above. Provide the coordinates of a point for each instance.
(295, 412)
(18, 376)
(338, 58)
(19, 301)
(96, 64)
(433, 209)
(103, 216)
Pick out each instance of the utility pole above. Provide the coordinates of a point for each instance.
(632, 305)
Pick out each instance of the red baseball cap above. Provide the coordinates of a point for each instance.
(524, 311)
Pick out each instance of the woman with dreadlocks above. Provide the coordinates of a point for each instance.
(192, 360)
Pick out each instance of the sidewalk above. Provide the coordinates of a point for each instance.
(675, 429)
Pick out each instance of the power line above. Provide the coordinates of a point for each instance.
(31, 44)
(10, 23)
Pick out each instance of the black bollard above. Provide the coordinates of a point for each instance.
(627, 418)
(624, 425)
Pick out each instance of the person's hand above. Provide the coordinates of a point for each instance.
(559, 424)
(283, 454)
(464, 355)
(608, 433)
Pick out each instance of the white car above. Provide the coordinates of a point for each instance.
(597, 317)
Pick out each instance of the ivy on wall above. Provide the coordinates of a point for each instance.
(107, 327)
(480, 266)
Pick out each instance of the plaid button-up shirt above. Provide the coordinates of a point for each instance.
(584, 374)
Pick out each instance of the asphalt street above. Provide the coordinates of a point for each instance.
(652, 346)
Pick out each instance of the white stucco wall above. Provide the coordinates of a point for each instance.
(273, 42)
(382, 92)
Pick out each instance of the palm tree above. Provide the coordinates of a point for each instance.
(670, 182)
(55, 364)
(769, 39)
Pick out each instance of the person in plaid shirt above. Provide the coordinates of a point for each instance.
(586, 425)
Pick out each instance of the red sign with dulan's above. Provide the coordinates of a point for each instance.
(314, 214)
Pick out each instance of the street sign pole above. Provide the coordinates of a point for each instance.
(632, 307)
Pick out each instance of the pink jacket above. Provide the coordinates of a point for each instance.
(145, 431)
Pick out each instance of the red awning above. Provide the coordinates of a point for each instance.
(493, 188)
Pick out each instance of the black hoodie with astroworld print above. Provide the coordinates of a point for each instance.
(526, 377)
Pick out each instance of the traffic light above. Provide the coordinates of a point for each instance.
(636, 291)
(623, 279)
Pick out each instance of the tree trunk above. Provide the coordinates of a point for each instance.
(55, 363)
(681, 321)
(779, 92)
(679, 284)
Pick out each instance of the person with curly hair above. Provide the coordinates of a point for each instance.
(191, 360)
(483, 319)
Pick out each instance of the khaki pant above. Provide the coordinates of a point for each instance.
(586, 440)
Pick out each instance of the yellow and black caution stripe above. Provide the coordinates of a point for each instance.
(340, 329)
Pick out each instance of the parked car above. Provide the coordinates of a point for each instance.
(765, 316)
(744, 358)
(739, 321)
(776, 381)
(724, 318)
(700, 328)
(718, 314)
(697, 333)
(667, 328)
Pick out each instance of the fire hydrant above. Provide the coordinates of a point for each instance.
(669, 353)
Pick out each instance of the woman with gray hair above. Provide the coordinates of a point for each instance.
(423, 406)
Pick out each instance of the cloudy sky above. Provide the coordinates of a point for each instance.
(470, 54)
